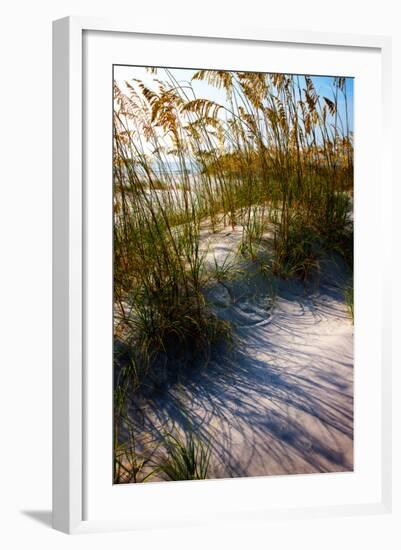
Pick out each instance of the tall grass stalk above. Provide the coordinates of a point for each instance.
(275, 157)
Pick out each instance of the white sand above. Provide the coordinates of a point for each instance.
(282, 401)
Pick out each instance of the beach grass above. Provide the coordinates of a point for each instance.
(275, 159)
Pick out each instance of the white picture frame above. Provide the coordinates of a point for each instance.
(69, 257)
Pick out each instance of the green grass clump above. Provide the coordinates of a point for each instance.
(130, 466)
(349, 299)
(177, 456)
(187, 457)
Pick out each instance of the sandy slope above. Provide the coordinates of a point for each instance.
(281, 402)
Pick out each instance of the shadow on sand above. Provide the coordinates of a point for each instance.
(280, 403)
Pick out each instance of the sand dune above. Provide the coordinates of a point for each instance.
(280, 401)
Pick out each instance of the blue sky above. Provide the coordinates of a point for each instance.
(323, 86)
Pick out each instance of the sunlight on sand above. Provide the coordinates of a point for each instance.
(279, 402)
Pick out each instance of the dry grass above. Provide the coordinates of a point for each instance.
(275, 157)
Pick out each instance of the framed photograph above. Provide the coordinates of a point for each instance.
(221, 309)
